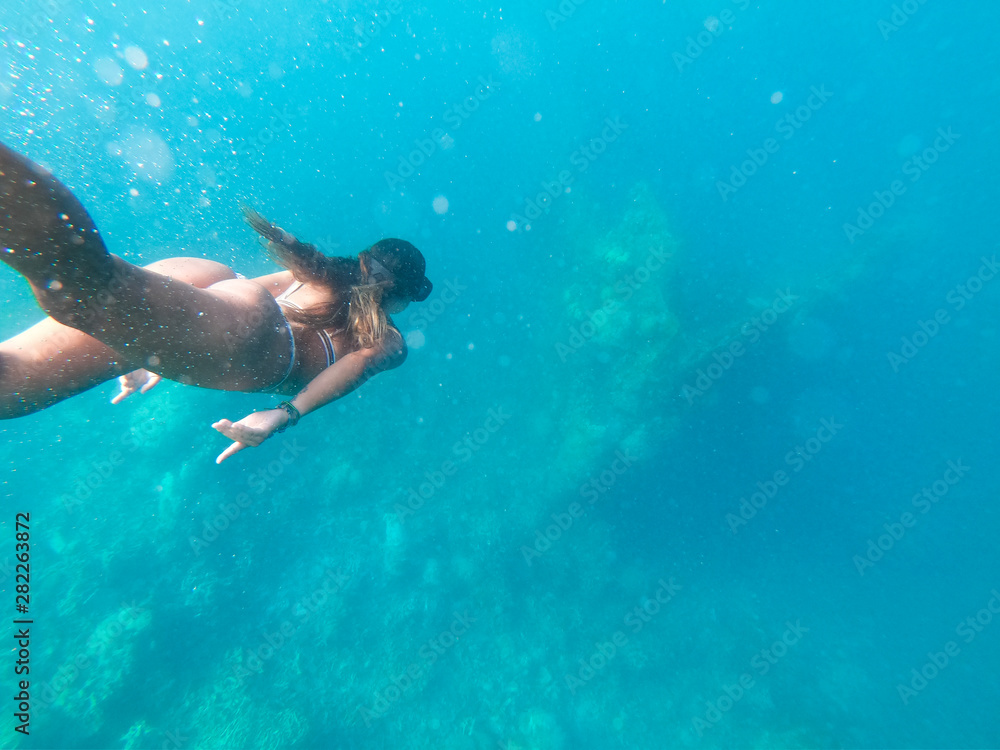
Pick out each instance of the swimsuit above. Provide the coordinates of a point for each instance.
(325, 339)
(291, 359)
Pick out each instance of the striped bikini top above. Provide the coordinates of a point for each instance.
(324, 337)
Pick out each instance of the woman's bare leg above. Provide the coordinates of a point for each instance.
(231, 337)
(50, 362)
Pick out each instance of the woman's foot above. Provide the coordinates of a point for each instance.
(45, 233)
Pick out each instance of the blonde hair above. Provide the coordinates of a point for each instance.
(360, 316)
(367, 322)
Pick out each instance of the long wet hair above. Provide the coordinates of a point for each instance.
(360, 315)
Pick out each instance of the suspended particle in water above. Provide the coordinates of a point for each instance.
(511, 226)
(153, 100)
(440, 205)
(416, 339)
(776, 97)
(109, 71)
(135, 57)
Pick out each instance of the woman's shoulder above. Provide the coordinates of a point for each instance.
(390, 352)
(394, 346)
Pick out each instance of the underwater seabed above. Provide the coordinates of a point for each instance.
(318, 607)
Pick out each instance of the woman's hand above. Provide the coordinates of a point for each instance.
(250, 431)
(139, 380)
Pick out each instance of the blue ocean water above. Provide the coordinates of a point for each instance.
(694, 446)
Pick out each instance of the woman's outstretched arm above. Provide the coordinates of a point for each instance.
(345, 375)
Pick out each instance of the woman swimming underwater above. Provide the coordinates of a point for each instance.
(315, 331)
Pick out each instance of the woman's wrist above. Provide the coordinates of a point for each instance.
(292, 415)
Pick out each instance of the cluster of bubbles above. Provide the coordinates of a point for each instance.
(146, 152)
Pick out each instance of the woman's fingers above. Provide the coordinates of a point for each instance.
(122, 394)
(150, 382)
(125, 389)
(240, 432)
(138, 381)
(230, 451)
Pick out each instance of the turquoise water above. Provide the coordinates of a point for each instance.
(695, 443)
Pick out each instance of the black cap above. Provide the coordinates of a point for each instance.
(406, 265)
